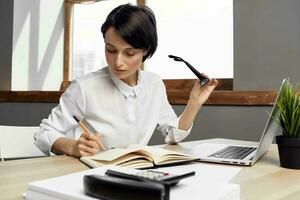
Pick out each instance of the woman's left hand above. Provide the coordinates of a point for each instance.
(200, 94)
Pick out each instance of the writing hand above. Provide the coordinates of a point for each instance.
(87, 145)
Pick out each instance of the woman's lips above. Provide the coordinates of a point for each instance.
(119, 70)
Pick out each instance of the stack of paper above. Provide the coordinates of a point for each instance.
(200, 186)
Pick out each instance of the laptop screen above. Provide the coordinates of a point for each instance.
(271, 126)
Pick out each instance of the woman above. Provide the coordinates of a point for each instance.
(123, 104)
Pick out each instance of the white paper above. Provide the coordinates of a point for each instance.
(208, 183)
(206, 172)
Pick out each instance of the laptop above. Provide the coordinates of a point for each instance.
(241, 154)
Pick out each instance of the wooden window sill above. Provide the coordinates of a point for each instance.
(176, 97)
(230, 98)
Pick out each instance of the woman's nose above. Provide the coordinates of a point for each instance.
(119, 60)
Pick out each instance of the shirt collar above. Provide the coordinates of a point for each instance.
(125, 89)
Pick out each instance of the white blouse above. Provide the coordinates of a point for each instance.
(123, 115)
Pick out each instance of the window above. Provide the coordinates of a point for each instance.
(199, 33)
(44, 63)
(37, 57)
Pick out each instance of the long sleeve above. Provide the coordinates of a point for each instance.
(168, 121)
(61, 121)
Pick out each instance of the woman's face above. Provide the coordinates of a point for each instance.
(123, 59)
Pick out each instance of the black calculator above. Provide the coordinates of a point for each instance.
(149, 175)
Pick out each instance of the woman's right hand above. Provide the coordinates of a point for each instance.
(87, 145)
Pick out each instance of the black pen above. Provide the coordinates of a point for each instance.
(86, 129)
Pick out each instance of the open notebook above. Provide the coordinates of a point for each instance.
(136, 156)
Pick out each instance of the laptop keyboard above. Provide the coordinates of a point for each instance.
(233, 152)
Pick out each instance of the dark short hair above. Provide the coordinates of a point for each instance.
(136, 25)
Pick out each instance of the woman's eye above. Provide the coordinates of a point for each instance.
(130, 53)
(110, 50)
